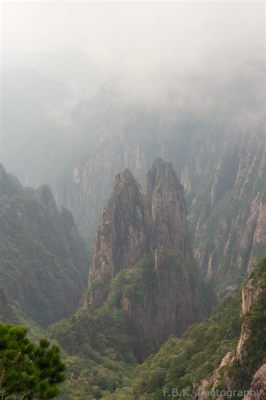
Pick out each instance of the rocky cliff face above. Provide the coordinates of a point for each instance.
(144, 284)
(252, 294)
(158, 299)
(257, 389)
(43, 261)
(142, 262)
(211, 360)
(244, 368)
(229, 232)
(122, 238)
(167, 208)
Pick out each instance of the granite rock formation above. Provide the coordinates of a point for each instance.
(142, 262)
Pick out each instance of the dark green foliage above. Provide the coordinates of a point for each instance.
(43, 261)
(27, 370)
(99, 349)
(254, 324)
(132, 282)
(258, 275)
(90, 380)
(256, 344)
(182, 363)
(102, 337)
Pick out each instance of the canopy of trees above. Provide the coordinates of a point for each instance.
(28, 370)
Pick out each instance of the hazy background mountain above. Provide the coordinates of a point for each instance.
(43, 261)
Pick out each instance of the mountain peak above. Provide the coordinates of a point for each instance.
(121, 238)
(141, 248)
(47, 256)
(165, 201)
(125, 177)
(9, 185)
(162, 174)
(134, 225)
(46, 197)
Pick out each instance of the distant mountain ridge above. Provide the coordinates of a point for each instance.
(43, 261)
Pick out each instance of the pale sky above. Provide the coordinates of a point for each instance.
(137, 35)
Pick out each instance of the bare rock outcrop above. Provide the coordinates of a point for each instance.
(157, 296)
(242, 358)
(258, 386)
(166, 204)
(122, 236)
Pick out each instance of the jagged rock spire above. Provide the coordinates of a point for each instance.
(134, 225)
(166, 204)
(122, 237)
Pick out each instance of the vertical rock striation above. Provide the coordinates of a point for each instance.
(122, 236)
(142, 262)
(167, 208)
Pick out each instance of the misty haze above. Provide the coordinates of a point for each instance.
(133, 200)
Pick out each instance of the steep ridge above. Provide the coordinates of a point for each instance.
(122, 237)
(161, 300)
(144, 284)
(43, 261)
(167, 209)
(230, 230)
(155, 293)
(243, 367)
(220, 358)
